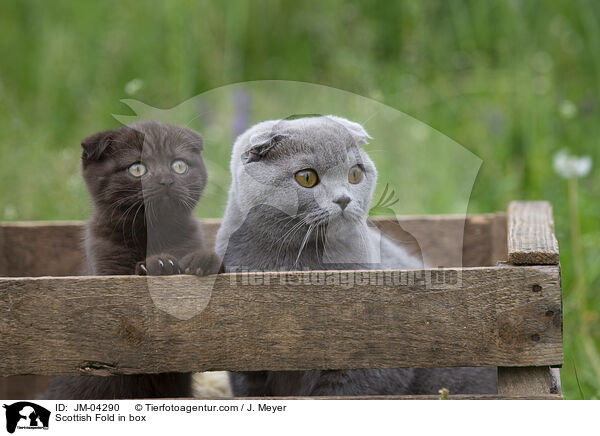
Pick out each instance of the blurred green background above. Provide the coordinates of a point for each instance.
(514, 82)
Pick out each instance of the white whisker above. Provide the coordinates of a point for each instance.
(308, 232)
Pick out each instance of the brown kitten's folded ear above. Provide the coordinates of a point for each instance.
(190, 138)
(94, 146)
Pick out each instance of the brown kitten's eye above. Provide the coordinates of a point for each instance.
(179, 166)
(137, 169)
(307, 178)
(355, 175)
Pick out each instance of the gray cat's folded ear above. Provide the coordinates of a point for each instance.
(261, 144)
(96, 145)
(357, 131)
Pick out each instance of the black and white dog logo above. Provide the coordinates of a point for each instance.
(26, 415)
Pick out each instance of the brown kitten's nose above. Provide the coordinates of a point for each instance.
(342, 201)
(167, 182)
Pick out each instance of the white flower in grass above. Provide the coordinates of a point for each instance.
(567, 109)
(570, 166)
(133, 86)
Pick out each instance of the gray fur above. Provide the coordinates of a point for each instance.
(273, 223)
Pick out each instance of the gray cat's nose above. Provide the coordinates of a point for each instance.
(167, 181)
(342, 201)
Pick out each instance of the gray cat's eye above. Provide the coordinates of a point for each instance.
(355, 174)
(137, 169)
(307, 178)
(179, 166)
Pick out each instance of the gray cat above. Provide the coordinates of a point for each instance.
(299, 198)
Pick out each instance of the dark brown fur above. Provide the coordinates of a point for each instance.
(141, 226)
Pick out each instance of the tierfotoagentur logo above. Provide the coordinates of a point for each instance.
(349, 139)
(25, 415)
(440, 278)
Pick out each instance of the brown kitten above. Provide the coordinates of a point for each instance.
(144, 182)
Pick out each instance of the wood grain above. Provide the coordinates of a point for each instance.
(531, 239)
(23, 387)
(524, 381)
(445, 240)
(280, 321)
(499, 239)
(32, 249)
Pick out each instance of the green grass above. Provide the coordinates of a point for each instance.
(511, 81)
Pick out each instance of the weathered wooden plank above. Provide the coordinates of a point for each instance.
(444, 240)
(525, 381)
(499, 239)
(210, 226)
(494, 316)
(41, 248)
(23, 387)
(34, 249)
(531, 239)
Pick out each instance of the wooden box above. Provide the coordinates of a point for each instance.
(504, 311)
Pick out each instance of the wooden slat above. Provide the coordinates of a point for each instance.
(531, 239)
(445, 240)
(210, 226)
(34, 249)
(20, 390)
(40, 248)
(405, 397)
(23, 387)
(499, 239)
(524, 381)
(280, 321)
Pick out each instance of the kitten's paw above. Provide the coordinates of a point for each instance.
(158, 265)
(202, 263)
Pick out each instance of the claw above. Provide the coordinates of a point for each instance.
(143, 268)
(171, 262)
(161, 263)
